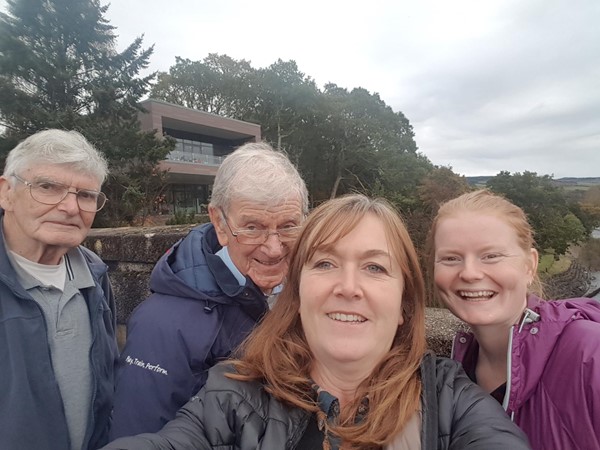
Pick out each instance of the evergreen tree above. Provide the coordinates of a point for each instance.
(59, 68)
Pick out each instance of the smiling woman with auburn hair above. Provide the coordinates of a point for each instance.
(340, 362)
(539, 359)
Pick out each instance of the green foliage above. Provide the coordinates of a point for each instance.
(342, 141)
(59, 69)
(553, 218)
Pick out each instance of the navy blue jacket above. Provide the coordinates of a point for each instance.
(197, 314)
(31, 407)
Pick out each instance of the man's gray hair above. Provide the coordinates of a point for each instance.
(257, 172)
(57, 147)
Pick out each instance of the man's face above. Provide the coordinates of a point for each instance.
(267, 263)
(33, 229)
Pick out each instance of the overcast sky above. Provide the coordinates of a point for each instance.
(488, 85)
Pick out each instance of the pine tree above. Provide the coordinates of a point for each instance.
(59, 68)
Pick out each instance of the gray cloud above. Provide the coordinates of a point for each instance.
(488, 85)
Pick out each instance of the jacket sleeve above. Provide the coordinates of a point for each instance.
(161, 367)
(227, 415)
(478, 421)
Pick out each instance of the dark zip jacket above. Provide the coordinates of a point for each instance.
(197, 314)
(31, 407)
(237, 415)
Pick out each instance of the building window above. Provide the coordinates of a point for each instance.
(190, 198)
(195, 152)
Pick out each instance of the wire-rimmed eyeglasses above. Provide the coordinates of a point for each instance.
(51, 193)
(256, 236)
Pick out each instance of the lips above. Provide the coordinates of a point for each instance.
(342, 317)
(270, 263)
(476, 295)
(63, 224)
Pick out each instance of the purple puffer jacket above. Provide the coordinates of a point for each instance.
(553, 380)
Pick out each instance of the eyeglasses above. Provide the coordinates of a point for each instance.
(51, 193)
(256, 236)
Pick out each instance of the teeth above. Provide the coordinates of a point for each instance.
(476, 294)
(347, 317)
(270, 263)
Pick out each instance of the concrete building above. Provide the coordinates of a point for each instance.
(203, 140)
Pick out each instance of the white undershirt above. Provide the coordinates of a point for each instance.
(48, 275)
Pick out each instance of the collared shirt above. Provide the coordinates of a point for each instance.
(329, 406)
(224, 255)
(69, 337)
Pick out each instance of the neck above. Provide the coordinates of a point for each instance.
(493, 342)
(491, 365)
(341, 382)
(33, 250)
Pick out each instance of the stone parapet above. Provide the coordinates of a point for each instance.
(131, 254)
(574, 282)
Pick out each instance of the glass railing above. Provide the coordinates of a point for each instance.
(185, 157)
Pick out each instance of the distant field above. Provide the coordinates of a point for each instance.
(568, 183)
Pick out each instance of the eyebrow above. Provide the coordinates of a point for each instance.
(366, 254)
(246, 219)
(46, 179)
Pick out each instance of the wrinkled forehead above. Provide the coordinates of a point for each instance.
(289, 206)
(68, 174)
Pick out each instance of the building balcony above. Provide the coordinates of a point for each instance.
(186, 157)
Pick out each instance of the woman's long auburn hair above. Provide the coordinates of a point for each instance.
(277, 354)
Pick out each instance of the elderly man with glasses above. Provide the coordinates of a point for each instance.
(58, 350)
(211, 288)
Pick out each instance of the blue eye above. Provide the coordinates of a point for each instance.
(376, 268)
(323, 265)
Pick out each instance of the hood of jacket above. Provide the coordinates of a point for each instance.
(191, 269)
(535, 339)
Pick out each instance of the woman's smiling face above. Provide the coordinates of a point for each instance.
(351, 298)
(480, 270)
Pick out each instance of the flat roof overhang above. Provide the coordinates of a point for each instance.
(188, 173)
(161, 115)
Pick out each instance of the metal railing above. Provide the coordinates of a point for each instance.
(191, 158)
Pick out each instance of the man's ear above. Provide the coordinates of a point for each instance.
(216, 218)
(6, 194)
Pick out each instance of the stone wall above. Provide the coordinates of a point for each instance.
(574, 282)
(131, 254)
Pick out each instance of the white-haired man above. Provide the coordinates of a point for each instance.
(211, 288)
(57, 314)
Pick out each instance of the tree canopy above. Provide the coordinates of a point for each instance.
(553, 218)
(59, 68)
(342, 140)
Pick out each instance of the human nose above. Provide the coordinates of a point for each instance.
(470, 270)
(347, 285)
(69, 203)
(273, 246)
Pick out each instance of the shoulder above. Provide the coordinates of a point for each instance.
(91, 258)
(218, 381)
(579, 342)
(447, 371)
(453, 386)
(163, 315)
(244, 398)
(444, 375)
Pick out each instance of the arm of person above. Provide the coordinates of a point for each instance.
(163, 364)
(571, 383)
(478, 420)
(219, 416)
